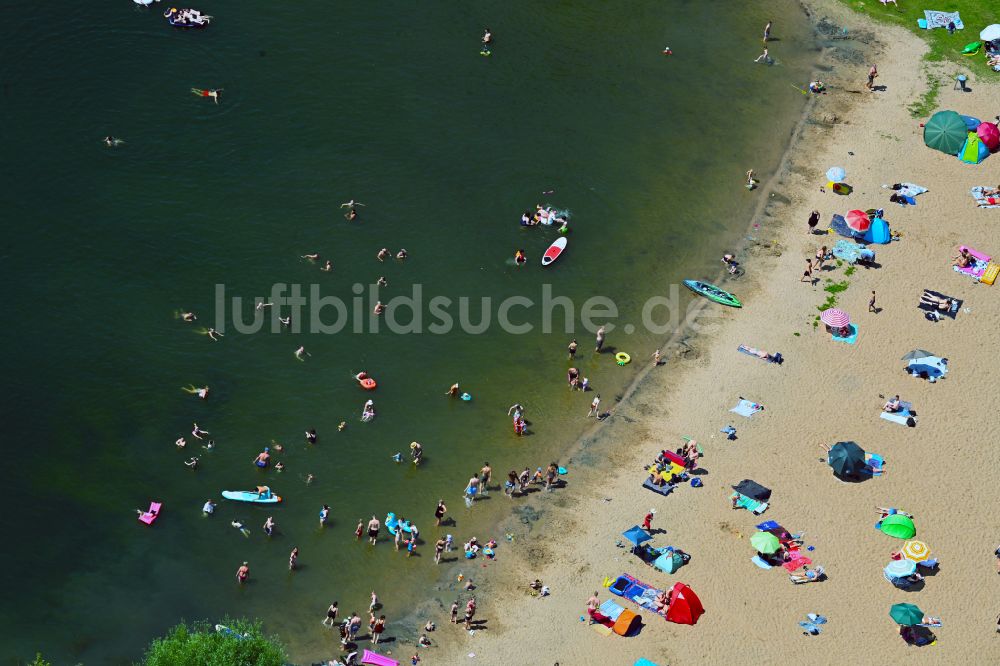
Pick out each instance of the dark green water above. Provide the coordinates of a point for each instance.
(387, 103)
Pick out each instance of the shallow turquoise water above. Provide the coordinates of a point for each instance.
(391, 105)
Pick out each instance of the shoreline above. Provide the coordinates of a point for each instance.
(557, 560)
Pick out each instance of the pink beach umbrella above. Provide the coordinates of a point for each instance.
(858, 220)
(835, 318)
(989, 135)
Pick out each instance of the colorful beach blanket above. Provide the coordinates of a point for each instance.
(984, 201)
(942, 19)
(852, 253)
(747, 408)
(977, 269)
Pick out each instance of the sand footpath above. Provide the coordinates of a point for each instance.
(944, 471)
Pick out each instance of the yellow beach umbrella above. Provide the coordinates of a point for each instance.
(917, 551)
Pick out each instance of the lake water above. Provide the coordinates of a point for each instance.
(390, 104)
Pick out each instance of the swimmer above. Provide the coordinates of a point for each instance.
(311, 436)
(188, 316)
(198, 432)
(309, 479)
(263, 458)
(520, 258)
(269, 525)
(311, 257)
(208, 508)
(328, 266)
(301, 352)
(351, 215)
(261, 304)
(243, 573)
(401, 254)
(368, 413)
(657, 357)
(209, 446)
(763, 57)
(277, 446)
(379, 308)
(192, 463)
(212, 333)
(416, 452)
(285, 321)
(487, 37)
(293, 559)
(112, 142)
(751, 181)
(382, 254)
(453, 391)
(181, 442)
(351, 204)
(213, 93)
(324, 514)
(382, 282)
(193, 390)
(397, 457)
(279, 466)
(341, 426)
(667, 51)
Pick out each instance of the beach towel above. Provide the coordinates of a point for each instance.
(747, 408)
(942, 19)
(610, 609)
(982, 200)
(852, 253)
(753, 506)
(874, 464)
(906, 189)
(756, 559)
(852, 335)
(952, 312)
(797, 562)
(839, 226)
(659, 490)
(757, 353)
(978, 267)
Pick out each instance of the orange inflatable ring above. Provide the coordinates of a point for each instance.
(368, 384)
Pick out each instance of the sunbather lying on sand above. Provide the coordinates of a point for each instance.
(759, 353)
(943, 304)
(888, 512)
(808, 575)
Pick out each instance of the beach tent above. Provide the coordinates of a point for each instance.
(753, 490)
(945, 131)
(685, 606)
(636, 535)
(990, 135)
(627, 623)
(669, 562)
(878, 232)
(846, 459)
(974, 151)
(898, 526)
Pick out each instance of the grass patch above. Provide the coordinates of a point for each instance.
(837, 287)
(849, 271)
(796, 334)
(976, 15)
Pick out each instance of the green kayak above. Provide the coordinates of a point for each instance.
(711, 292)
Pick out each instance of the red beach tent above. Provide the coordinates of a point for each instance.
(685, 606)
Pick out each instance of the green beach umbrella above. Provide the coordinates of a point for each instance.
(765, 542)
(945, 131)
(899, 526)
(906, 615)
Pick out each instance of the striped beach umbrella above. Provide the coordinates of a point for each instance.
(901, 568)
(858, 220)
(835, 318)
(916, 551)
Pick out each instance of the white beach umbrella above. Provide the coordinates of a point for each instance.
(990, 33)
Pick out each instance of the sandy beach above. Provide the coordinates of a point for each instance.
(942, 471)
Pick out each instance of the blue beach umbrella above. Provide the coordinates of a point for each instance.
(836, 174)
(901, 568)
(636, 535)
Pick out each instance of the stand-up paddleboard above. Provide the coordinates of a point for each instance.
(713, 293)
(554, 251)
(251, 496)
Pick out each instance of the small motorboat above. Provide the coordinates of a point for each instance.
(186, 18)
(262, 495)
(713, 293)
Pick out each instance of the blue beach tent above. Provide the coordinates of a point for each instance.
(878, 232)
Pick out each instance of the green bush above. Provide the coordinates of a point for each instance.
(201, 645)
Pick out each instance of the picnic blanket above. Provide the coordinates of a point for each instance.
(982, 200)
(839, 226)
(852, 335)
(747, 408)
(852, 253)
(906, 189)
(942, 19)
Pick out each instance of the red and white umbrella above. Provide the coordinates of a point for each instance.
(858, 220)
(835, 318)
